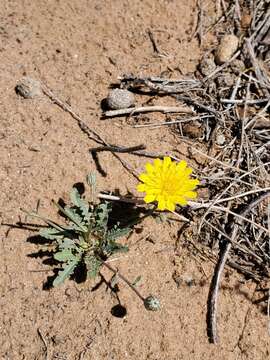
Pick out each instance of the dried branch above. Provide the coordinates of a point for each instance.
(144, 109)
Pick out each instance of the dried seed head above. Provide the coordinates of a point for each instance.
(227, 47)
(28, 88)
(151, 303)
(120, 99)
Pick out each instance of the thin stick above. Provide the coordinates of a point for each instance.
(213, 293)
(234, 92)
(221, 67)
(197, 206)
(93, 135)
(153, 41)
(44, 342)
(194, 205)
(124, 279)
(156, 125)
(144, 109)
(118, 149)
(135, 201)
(121, 198)
(242, 195)
(235, 243)
(217, 161)
(68, 109)
(242, 101)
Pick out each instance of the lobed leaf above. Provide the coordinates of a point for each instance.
(93, 265)
(51, 233)
(113, 247)
(66, 272)
(74, 217)
(65, 255)
(80, 203)
(102, 214)
(115, 233)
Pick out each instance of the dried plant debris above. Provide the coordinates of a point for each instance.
(230, 102)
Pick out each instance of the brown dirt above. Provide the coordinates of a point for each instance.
(78, 48)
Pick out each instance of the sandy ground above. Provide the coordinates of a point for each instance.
(78, 48)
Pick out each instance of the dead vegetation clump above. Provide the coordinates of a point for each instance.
(228, 136)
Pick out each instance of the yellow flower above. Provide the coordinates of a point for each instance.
(168, 183)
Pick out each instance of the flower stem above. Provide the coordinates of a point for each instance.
(122, 277)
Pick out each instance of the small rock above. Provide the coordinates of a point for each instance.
(220, 140)
(194, 130)
(246, 20)
(207, 65)
(28, 88)
(120, 99)
(227, 47)
(225, 80)
(237, 66)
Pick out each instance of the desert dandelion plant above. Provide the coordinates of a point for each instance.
(168, 183)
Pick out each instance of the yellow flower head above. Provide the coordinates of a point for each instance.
(168, 183)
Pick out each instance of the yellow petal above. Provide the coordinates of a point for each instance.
(141, 187)
(181, 165)
(157, 163)
(170, 205)
(149, 168)
(168, 183)
(167, 162)
(161, 204)
(144, 177)
(149, 198)
(191, 194)
(188, 171)
(182, 202)
(192, 183)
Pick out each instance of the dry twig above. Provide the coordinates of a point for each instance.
(144, 109)
(224, 253)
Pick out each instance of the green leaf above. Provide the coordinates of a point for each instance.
(65, 255)
(73, 217)
(66, 272)
(114, 280)
(113, 247)
(93, 265)
(51, 233)
(102, 214)
(115, 233)
(161, 218)
(67, 243)
(80, 203)
(137, 280)
(47, 221)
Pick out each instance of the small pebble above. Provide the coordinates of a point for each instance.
(120, 99)
(227, 47)
(220, 140)
(28, 88)
(226, 80)
(207, 65)
(237, 66)
(246, 20)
